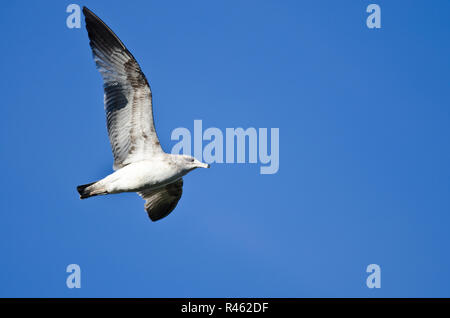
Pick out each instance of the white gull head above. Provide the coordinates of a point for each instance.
(188, 163)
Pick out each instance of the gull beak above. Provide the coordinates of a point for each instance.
(203, 165)
(199, 164)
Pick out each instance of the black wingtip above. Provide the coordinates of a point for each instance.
(97, 28)
(89, 15)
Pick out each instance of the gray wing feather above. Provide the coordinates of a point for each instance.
(160, 202)
(127, 98)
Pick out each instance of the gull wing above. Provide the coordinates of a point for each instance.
(127, 96)
(160, 202)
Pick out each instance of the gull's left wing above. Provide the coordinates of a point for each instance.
(160, 202)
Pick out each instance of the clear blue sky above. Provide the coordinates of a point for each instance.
(364, 151)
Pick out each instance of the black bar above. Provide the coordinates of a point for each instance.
(229, 306)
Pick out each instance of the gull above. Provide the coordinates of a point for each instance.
(140, 163)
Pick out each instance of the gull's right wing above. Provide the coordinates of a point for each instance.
(128, 98)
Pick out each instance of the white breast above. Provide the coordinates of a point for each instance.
(141, 175)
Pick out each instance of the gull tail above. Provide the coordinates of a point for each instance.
(90, 190)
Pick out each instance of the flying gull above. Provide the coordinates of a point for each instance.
(140, 163)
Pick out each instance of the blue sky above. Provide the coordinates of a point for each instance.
(364, 158)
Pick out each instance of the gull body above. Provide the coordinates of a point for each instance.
(148, 174)
(140, 163)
